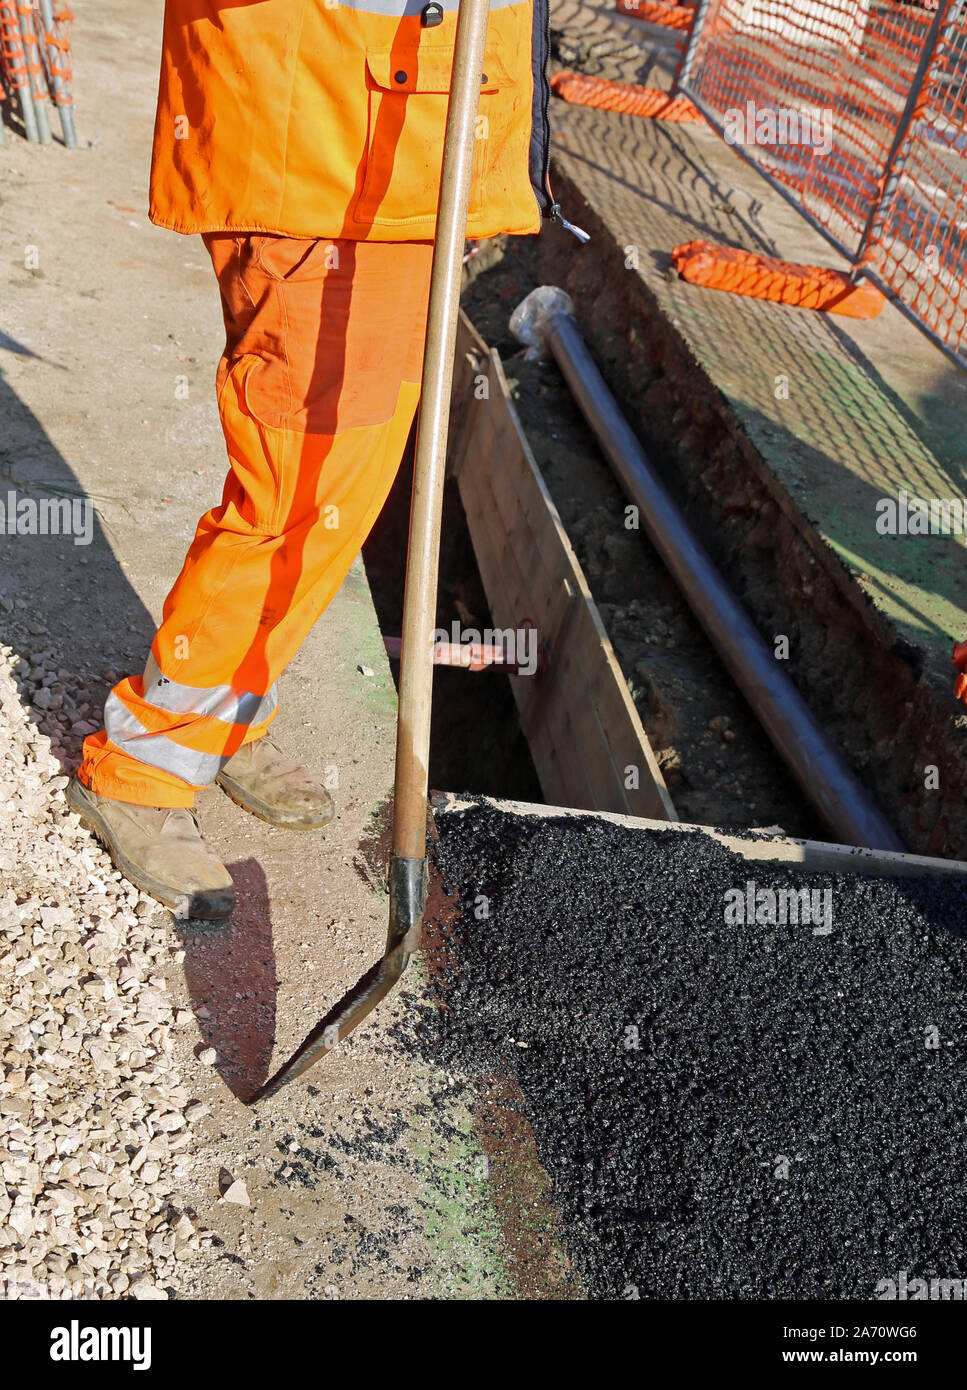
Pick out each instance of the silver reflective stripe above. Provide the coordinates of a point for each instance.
(215, 702)
(126, 730)
(398, 8)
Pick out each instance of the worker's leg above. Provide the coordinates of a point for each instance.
(317, 391)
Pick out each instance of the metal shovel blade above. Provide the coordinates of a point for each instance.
(408, 879)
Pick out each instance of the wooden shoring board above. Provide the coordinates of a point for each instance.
(759, 847)
(577, 715)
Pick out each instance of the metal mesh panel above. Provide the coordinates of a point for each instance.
(857, 109)
(918, 241)
(814, 93)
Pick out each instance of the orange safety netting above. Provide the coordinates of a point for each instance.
(858, 109)
(34, 63)
(780, 282)
(658, 12)
(623, 96)
(59, 62)
(959, 659)
(12, 56)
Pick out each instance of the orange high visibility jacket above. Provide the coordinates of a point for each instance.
(325, 118)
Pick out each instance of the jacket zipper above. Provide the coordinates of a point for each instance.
(552, 208)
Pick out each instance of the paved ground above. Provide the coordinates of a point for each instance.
(369, 1181)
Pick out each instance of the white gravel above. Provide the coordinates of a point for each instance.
(95, 1123)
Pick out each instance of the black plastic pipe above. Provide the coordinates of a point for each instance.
(787, 719)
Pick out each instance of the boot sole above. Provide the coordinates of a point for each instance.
(91, 817)
(264, 812)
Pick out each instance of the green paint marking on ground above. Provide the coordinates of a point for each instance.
(473, 1227)
(360, 644)
(461, 1225)
(539, 1220)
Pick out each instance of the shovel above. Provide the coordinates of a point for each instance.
(408, 871)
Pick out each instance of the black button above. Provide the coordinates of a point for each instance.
(483, 80)
(399, 76)
(431, 15)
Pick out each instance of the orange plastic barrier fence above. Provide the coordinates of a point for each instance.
(59, 57)
(624, 96)
(31, 43)
(959, 659)
(12, 56)
(781, 282)
(857, 110)
(658, 12)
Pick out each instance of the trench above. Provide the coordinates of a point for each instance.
(476, 739)
(883, 700)
(719, 765)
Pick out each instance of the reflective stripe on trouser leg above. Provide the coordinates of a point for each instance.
(129, 724)
(317, 392)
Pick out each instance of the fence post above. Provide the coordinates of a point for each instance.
(947, 14)
(56, 31)
(36, 77)
(698, 24)
(15, 64)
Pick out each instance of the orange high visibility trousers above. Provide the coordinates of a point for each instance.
(317, 390)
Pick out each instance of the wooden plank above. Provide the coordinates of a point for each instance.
(610, 696)
(545, 725)
(471, 356)
(606, 689)
(759, 847)
(578, 716)
(520, 576)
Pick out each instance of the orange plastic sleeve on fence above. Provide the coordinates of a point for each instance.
(62, 69)
(12, 55)
(623, 96)
(35, 67)
(658, 12)
(781, 282)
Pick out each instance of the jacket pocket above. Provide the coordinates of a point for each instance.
(253, 402)
(408, 98)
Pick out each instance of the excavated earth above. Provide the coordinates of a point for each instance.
(745, 1111)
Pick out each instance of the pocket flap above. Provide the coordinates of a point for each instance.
(427, 70)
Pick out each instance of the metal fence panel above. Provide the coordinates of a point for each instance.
(857, 111)
(813, 91)
(917, 244)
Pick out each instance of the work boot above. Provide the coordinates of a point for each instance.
(260, 778)
(161, 850)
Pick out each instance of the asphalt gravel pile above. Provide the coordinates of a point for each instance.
(726, 1109)
(95, 1121)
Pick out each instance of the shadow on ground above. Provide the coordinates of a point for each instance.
(232, 982)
